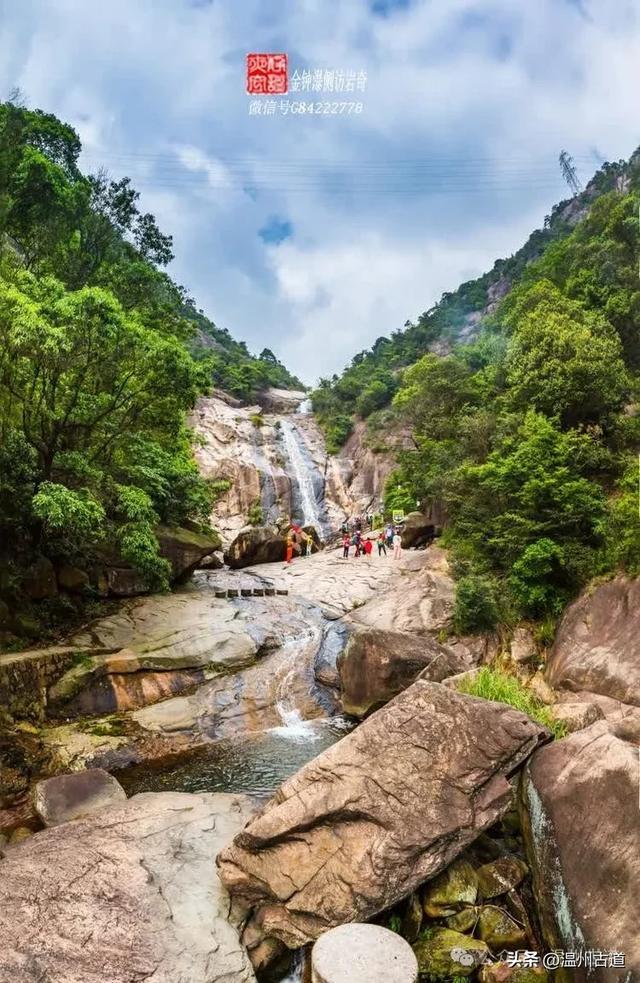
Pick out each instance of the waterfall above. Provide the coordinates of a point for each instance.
(302, 471)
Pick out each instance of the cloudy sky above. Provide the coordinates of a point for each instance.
(315, 234)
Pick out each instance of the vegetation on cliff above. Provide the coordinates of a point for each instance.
(528, 435)
(101, 357)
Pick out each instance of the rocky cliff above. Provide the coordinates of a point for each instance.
(274, 457)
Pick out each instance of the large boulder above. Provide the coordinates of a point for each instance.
(377, 665)
(371, 818)
(261, 544)
(66, 797)
(597, 647)
(417, 530)
(127, 894)
(580, 819)
(184, 548)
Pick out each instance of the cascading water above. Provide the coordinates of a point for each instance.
(293, 724)
(302, 473)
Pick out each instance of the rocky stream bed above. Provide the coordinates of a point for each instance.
(198, 786)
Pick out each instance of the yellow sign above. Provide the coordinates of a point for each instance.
(397, 515)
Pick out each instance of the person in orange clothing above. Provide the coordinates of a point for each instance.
(288, 556)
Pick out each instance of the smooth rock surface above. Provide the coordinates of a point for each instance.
(597, 646)
(127, 895)
(377, 665)
(580, 820)
(358, 953)
(377, 814)
(66, 797)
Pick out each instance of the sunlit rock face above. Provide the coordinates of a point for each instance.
(275, 458)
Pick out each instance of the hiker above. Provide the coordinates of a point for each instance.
(358, 524)
(389, 536)
(368, 547)
(357, 542)
(346, 543)
(382, 544)
(289, 547)
(309, 545)
(397, 545)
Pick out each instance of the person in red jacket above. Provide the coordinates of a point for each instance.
(367, 547)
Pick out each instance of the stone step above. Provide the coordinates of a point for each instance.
(233, 592)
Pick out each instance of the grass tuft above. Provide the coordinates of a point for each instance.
(492, 685)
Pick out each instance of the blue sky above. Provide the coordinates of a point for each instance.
(315, 234)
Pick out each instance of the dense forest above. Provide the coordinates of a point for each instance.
(101, 357)
(526, 429)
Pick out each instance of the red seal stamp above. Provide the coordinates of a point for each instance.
(267, 74)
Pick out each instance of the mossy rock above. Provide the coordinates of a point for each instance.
(500, 876)
(463, 921)
(499, 930)
(449, 891)
(443, 953)
(503, 973)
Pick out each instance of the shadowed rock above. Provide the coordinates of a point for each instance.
(370, 819)
(258, 545)
(580, 819)
(377, 665)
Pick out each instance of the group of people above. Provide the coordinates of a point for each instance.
(389, 538)
(297, 539)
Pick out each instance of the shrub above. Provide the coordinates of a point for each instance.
(255, 515)
(476, 608)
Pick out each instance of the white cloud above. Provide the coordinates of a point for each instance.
(488, 89)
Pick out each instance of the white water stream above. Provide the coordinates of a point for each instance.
(301, 473)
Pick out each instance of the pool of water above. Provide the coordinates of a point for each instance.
(256, 764)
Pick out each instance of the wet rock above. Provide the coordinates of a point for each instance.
(445, 953)
(576, 716)
(418, 529)
(580, 821)
(456, 886)
(499, 930)
(72, 579)
(597, 645)
(261, 544)
(404, 793)
(500, 876)
(377, 665)
(362, 954)
(127, 894)
(66, 797)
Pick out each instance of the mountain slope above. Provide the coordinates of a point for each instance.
(519, 393)
(102, 356)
